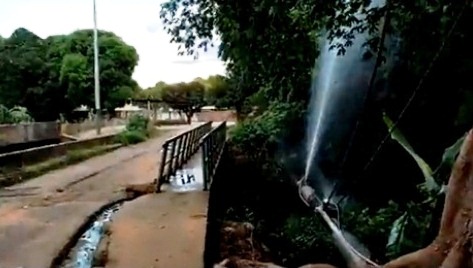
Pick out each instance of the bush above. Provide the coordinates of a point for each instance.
(260, 137)
(138, 123)
(128, 137)
(14, 115)
(137, 130)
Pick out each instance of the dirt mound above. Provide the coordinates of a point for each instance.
(135, 190)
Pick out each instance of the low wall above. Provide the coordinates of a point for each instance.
(31, 132)
(216, 116)
(74, 128)
(172, 122)
(35, 155)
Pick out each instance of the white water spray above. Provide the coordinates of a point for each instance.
(338, 92)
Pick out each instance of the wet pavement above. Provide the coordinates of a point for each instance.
(190, 177)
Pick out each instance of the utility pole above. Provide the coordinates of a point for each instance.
(98, 113)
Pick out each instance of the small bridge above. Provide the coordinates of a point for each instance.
(169, 228)
(189, 160)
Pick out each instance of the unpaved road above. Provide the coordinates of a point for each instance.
(38, 217)
(165, 230)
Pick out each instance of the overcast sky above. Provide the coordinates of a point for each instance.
(136, 21)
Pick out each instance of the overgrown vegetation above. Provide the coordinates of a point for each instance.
(138, 129)
(270, 47)
(14, 115)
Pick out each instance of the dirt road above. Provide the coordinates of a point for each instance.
(160, 231)
(38, 217)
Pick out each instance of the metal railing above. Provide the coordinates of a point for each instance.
(212, 149)
(178, 149)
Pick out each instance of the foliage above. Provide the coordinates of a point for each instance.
(216, 92)
(14, 115)
(131, 137)
(413, 217)
(137, 130)
(53, 76)
(270, 47)
(185, 97)
(259, 137)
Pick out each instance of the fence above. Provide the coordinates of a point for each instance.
(212, 148)
(177, 150)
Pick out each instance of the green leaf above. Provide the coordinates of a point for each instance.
(396, 135)
(396, 235)
(451, 152)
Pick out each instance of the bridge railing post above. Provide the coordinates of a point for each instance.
(171, 160)
(212, 145)
(160, 179)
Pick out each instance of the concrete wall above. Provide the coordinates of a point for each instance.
(216, 116)
(74, 128)
(31, 132)
(18, 159)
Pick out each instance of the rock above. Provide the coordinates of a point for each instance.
(136, 190)
(60, 190)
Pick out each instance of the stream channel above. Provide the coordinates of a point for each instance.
(82, 254)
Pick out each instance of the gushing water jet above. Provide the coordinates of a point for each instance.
(338, 90)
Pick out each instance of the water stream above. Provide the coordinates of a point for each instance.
(82, 255)
(338, 91)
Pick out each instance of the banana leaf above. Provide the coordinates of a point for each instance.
(396, 135)
(396, 235)
(452, 152)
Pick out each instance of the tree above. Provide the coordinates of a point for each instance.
(153, 93)
(185, 97)
(53, 76)
(117, 63)
(23, 65)
(270, 48)
(217, 91)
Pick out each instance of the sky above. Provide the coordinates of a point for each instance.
(135, 21)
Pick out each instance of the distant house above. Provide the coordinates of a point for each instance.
(128, 110)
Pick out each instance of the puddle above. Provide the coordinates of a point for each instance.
(186, 180)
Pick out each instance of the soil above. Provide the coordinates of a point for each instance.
(38, 217)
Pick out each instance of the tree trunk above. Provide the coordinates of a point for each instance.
(189, 117)
(452, 248)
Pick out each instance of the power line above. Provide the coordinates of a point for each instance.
(366, 95)
(418, 87)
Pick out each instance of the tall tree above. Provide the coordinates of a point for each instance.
(185, 97)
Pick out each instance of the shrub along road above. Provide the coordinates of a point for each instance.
(38, 217)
